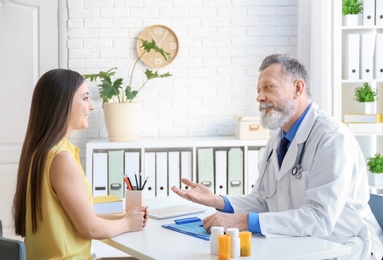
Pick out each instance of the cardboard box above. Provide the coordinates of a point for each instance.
(248, 127)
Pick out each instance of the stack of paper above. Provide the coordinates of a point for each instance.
(364, 123)
(365, 127)
(363, 118)
(107, 204)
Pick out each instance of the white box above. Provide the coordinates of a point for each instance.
(248, 127)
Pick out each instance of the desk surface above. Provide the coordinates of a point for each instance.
(156, 242)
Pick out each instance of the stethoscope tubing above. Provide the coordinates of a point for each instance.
(296, 171)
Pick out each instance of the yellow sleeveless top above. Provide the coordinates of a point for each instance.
(56, 236)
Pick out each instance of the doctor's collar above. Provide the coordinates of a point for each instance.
(294, 128)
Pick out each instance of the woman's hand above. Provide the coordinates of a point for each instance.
(137, 218)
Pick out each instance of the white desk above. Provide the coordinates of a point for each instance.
(156, 242)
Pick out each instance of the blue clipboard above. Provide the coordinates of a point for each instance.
(189, 226)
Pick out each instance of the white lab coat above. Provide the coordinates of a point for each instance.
(330, 201)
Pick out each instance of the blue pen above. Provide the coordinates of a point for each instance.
(181, 221)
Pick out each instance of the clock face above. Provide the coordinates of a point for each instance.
(165, 38)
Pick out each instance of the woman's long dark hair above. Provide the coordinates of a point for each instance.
(48, 123)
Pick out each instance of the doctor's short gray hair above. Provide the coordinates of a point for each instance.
(290, 67)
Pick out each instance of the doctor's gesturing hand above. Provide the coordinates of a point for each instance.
(199, 194)
(202, 195)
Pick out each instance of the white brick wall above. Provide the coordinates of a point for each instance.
(222, 43)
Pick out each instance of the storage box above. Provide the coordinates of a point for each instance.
(248, 127)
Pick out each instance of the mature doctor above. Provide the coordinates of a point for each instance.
(318, 189)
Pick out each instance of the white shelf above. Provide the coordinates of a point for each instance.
(343, 88)
(190, 144)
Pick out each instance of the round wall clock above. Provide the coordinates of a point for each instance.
(165, 38)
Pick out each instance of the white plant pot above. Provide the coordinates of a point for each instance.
(366, 107)
(378, 179)
(123, 121)
(375, 179)
(351, 20)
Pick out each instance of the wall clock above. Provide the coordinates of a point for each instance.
(165, 39)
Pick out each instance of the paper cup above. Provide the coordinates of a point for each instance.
(134, 198)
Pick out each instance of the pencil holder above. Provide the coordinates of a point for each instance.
(134, 198)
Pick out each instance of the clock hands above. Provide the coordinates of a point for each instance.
(162, 39)
(154, 38)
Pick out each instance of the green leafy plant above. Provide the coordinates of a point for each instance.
(375, 163)
(352, 7)
(113, 88)
(365, 93)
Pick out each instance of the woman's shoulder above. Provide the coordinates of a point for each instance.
(63, 145)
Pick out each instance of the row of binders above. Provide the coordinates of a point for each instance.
(362, 56)
(221, 169)
(160, 170)
(372, 13)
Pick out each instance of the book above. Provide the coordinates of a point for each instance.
(108, 204)
(363, 118)
(365, 127)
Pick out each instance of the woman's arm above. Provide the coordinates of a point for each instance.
(67, 182)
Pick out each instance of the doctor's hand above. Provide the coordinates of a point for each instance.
(226, 220)
(199, 194)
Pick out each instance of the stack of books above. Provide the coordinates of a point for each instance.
(364, 123)
(108, 204)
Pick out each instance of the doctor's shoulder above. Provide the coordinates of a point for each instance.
(329, 123)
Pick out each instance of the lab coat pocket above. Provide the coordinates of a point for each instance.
(298, 188)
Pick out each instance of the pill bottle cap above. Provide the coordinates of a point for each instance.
(216, 230)
(233, 232)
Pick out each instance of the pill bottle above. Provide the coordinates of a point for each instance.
(235, 242)
(245, 243)
(214, 233)
(224, 247)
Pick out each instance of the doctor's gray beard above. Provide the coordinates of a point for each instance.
(277, 116)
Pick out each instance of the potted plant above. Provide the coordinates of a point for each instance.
(375, 166)
(122, 114)
(351, 10)
(366, 96)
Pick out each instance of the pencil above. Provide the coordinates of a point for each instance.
(128, 186)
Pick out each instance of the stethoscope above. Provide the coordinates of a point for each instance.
(296, 171)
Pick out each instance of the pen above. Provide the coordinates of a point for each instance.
(135, 177)
(143, 185)
(140, 181)
(130, 184)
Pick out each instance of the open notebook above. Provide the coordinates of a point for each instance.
(174, 211)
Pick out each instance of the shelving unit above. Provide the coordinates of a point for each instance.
(245, 152)
(344, 87)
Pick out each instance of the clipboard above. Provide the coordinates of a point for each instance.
(189, 226)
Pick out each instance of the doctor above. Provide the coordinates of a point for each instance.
(318, 188)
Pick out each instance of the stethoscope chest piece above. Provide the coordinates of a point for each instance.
(297, 171)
